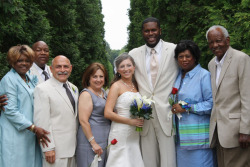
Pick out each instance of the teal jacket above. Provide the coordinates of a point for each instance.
(18, 146)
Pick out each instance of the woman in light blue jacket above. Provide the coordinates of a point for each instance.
(18, 146)
(192, 128)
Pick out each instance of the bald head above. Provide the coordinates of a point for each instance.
(41, 50)
(61, 68)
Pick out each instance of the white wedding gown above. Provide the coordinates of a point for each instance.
(126, 152)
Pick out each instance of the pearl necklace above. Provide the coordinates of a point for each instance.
(129, 86)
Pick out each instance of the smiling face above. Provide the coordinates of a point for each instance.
(22, 65)
(61, 68)
(186, 61)
(126, 69)
(41, 50)
(97, 80)
(218, 43)
(151, 34)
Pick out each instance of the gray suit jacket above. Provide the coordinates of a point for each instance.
(54, 112)
(165, 79)
(231, 110)
(33, 71)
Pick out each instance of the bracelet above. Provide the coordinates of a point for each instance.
(91, 138)
(35, 129)
(32, 128)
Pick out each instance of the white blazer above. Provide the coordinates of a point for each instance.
(167, 73)
(33, 71)
(54, 112)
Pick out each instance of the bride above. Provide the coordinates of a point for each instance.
(126, 153)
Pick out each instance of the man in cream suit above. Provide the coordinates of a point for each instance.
(230, 118)
(55, 110)
(40, 67)
(157, 141)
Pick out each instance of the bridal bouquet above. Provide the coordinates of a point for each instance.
(141, 108)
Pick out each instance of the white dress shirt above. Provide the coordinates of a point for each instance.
(41, 71)
(219, 65)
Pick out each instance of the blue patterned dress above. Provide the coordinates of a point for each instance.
(192, 130)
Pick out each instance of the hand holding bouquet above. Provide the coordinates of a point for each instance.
(141, 108)
(173, 99)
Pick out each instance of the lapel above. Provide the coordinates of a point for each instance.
(35, 72)
(61, 91)
(75, 96)
(24, 85)
(144, 68)
(225, 66)
(213, 73)
(162, 61)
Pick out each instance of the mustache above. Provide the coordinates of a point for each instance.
(63, 73)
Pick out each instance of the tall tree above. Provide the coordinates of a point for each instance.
(73, 28)
(20, 23)
(189, 19)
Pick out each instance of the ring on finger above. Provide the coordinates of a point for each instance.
(41, 140)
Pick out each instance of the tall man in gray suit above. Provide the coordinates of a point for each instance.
(40, 67)
(155, 73)
(55, 110)
(230, 118)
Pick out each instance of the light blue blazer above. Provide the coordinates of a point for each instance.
(18, 146)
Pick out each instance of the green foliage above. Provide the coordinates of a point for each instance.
(73, 28)
(190, 19)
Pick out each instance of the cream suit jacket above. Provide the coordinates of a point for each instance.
(33, 71)
(53, 111)
(165, 79)
(231, 110)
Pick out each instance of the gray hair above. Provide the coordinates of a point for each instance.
(216, 27)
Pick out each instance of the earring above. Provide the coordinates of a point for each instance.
(119, 74)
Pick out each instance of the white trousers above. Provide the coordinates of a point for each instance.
(158, 150)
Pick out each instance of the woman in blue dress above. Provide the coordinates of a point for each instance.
(92, 137)
(192, 129)
(18, 145)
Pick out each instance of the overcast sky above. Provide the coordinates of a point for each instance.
(116, 22)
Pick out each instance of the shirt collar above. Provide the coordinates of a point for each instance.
(60, 83)
(157, 48)
(41, 70)
(222, 60)
(193, 71)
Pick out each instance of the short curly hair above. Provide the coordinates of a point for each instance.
(188, 45)
(15, 52)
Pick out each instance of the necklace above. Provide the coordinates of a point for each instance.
(100, 95)
(97, 93)
(131, 87)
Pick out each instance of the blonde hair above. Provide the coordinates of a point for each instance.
(15, 52)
